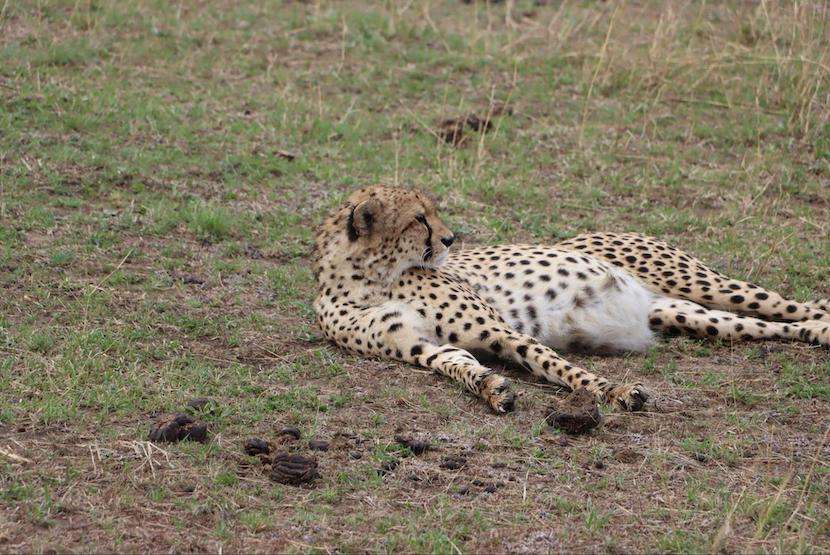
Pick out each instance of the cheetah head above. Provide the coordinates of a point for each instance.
(399, 226)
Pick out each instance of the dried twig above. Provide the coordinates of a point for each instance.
(13, 456)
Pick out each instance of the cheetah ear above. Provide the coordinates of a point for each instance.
(362, 218)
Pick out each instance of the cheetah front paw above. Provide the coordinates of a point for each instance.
(496, 391)
(627, 397)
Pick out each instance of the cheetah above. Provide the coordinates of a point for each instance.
(389, 286)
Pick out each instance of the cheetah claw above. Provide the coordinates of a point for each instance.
(496, 392)
(628, 397)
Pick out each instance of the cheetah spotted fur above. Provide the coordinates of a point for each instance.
(389, 286)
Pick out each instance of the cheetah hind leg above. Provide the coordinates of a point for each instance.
(822, 305)
(675, 316)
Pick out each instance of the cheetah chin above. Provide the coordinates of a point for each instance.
(436, 261)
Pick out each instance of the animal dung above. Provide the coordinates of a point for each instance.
(255, 446)
(177, 427)
(576, 414)
(293, 469)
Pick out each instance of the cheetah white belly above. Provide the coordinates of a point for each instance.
(614, 319)
(564, 299)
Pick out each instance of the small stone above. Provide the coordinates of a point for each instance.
(417, 446)
(200, 404)
(388, 466)
(453, 462)
(253, 252)
(292, 432)
(490, 489)
(318, 445)
(355, 455)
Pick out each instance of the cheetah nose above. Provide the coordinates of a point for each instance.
(448, 240)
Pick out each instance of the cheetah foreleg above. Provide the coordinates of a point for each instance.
(461, 366)
(397, 331)
(544, 362)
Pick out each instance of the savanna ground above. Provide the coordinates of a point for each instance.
(163, 168)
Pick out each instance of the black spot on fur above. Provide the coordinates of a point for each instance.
(351, 230)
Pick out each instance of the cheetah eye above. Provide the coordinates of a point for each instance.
(421, 218)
